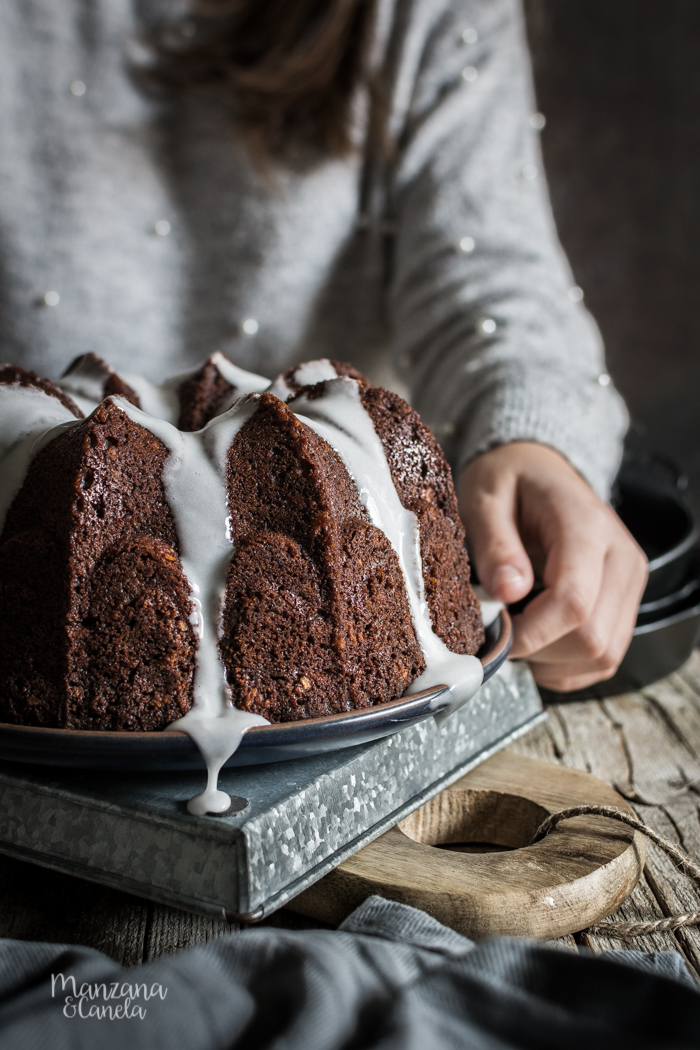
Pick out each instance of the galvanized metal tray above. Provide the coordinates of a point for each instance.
(290, 823)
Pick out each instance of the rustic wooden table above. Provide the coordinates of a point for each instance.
(646, 744)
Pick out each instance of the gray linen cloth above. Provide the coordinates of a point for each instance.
(391, 977)
(445, 253)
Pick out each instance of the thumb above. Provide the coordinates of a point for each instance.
(499, 557)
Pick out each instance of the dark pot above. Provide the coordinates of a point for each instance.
(649, 498)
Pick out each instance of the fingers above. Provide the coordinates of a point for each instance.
(499, 557)
(568, 684)
(593, 651)
(578, 629)
(572, 578)
(564, 668)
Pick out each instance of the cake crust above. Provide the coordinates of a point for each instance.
(317, 618)
(13, 374)
(202, 395)
(424, 483)
(84, 646)
(98, 624)
(109, 380)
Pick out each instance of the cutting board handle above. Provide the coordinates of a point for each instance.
(490, 881)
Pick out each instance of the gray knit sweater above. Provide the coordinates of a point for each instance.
(147, 218)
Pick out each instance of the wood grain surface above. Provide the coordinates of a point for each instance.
(583, 870)
(646, 744)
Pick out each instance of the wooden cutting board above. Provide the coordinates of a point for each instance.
(489, 881)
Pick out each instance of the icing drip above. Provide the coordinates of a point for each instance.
(314, 372)
(85, 381)
(340, 418)
(156, 400)
(86, 404)
(489, 608)
(280, 389)
(194, 479)
(164, 402)
(308, 374)
(195, 485)
(244, 382)
(29, 419)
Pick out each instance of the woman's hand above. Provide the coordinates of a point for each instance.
(527, 510)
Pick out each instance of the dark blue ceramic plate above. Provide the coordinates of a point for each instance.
(84, 749)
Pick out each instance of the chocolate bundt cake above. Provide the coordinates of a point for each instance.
(293, 549)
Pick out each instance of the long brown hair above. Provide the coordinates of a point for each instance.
(288, 68)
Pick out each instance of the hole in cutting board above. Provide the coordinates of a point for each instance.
(467, 820)
(473, 847)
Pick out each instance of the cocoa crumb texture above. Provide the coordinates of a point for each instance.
(95, 609)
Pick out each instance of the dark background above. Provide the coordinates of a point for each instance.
(619, 83)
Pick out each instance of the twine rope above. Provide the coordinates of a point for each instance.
(628, 930)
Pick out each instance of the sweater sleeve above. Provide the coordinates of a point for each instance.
(487, 330)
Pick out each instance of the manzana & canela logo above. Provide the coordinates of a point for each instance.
(112, 1001)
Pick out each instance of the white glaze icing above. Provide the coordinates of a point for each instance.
(194, 479)
(312, 372)
(163, 401)
(307, 374)
(280, 388)
(85, 382)
(489, 607)
(244, 382)
(86, 404)
(158, 400)
(29, 419)
(342, 420)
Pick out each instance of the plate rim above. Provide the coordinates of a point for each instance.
(491, 661)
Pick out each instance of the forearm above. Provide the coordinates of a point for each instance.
(489, 339)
